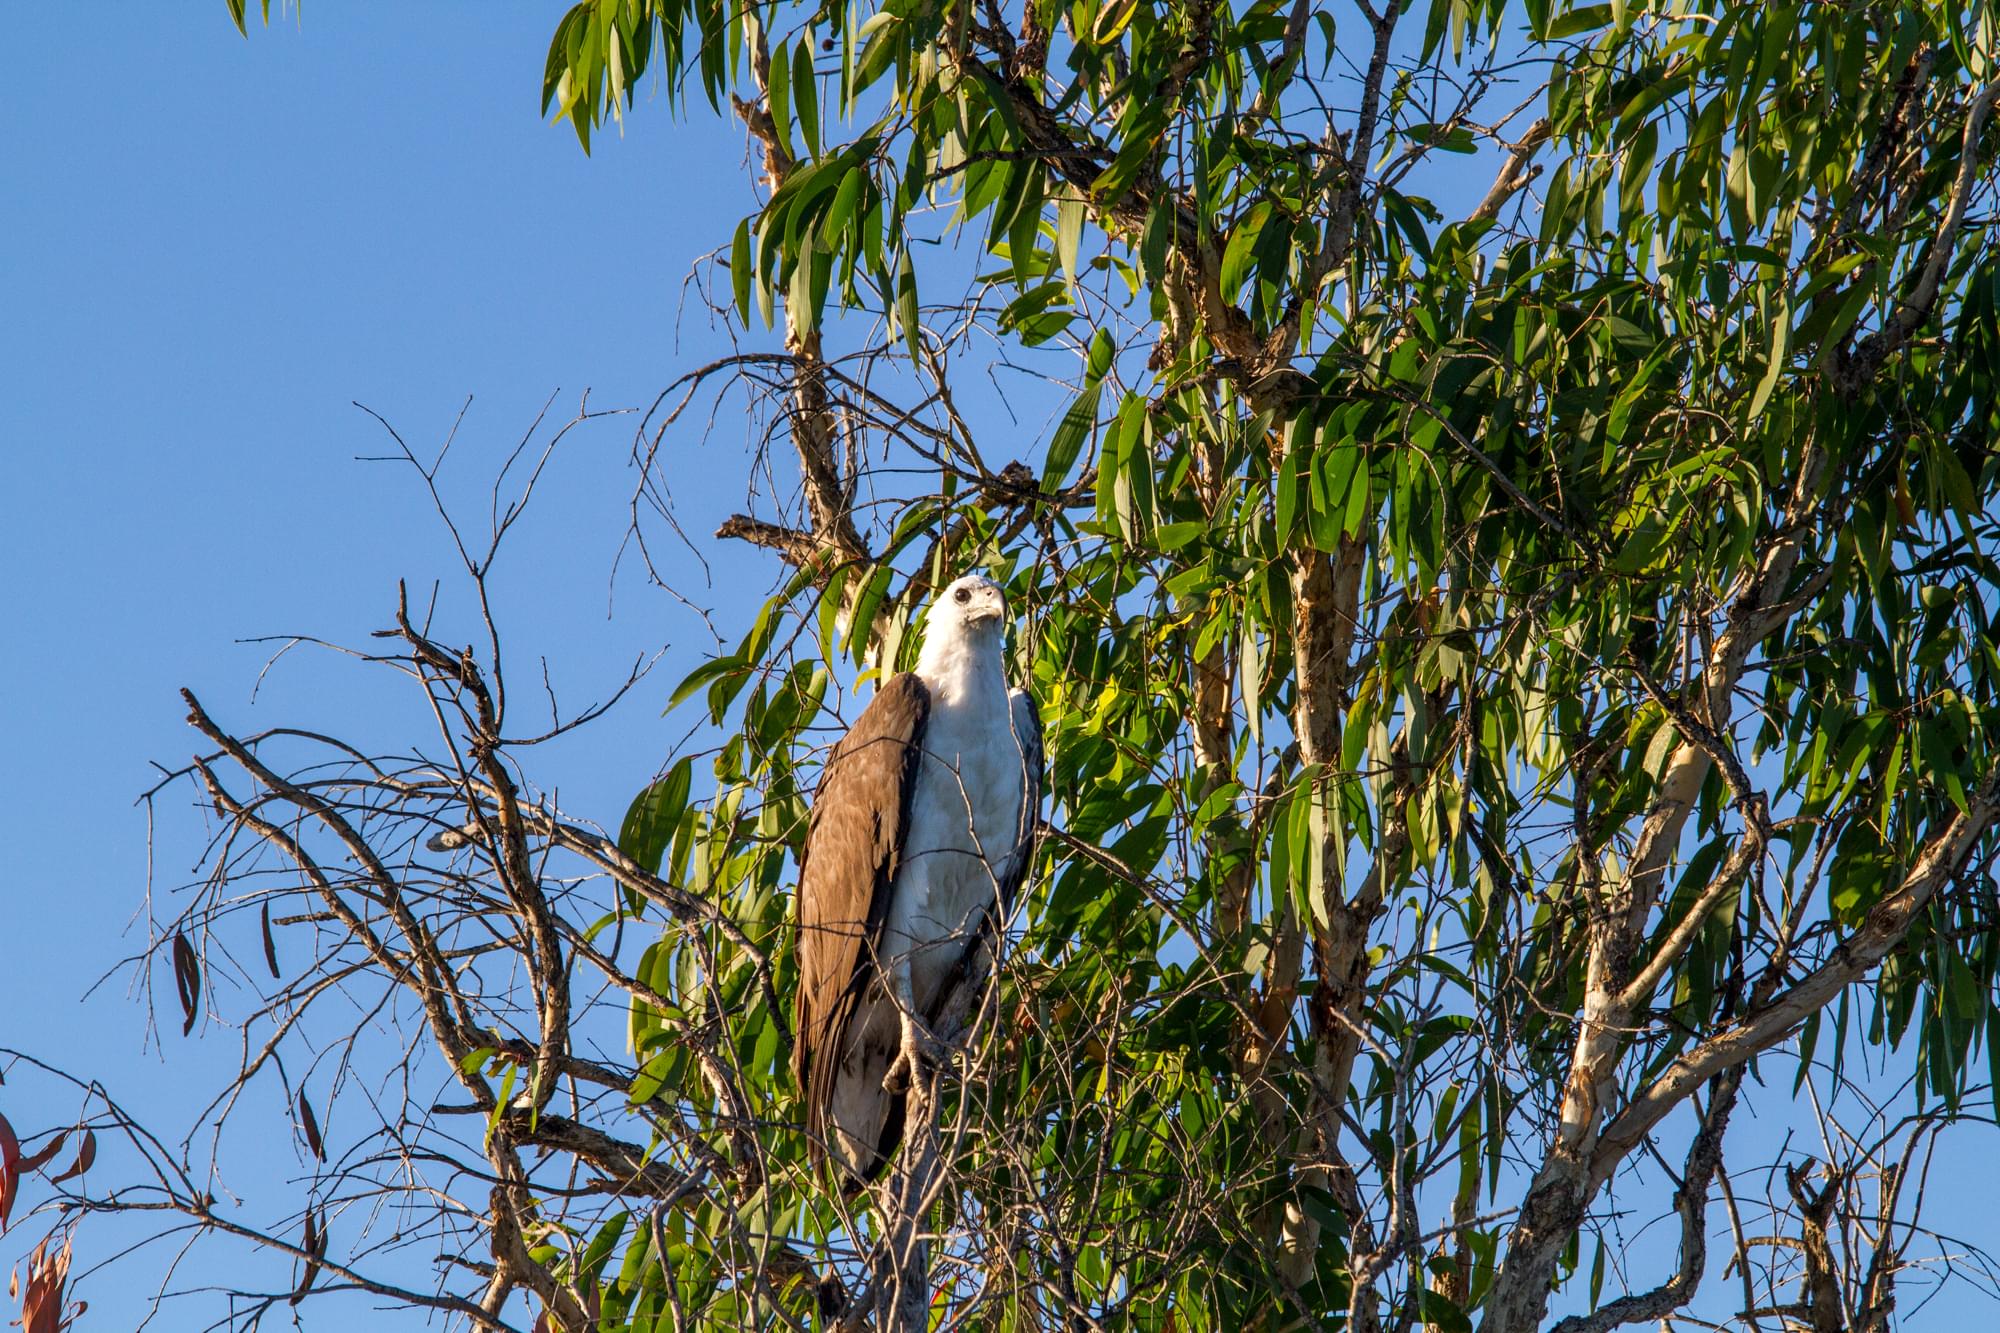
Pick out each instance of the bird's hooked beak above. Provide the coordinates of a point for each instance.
(970, 604)
(987, 605)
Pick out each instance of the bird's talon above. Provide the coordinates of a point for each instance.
(919, 1047)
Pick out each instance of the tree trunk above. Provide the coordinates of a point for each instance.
(902, 1257)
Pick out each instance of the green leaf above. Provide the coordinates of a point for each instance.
(805, 93)
(1130, 472)
(1112, 20)
(739, 270)
(779, 98)
(1074, 428)
(906, 305)
(600, 1247)
(1580, 20)
(702, 677)
(802, 298)
(1242, 249)
(1286, 493)
(504, 1099)
(1442, 1314)
(654, 814)
(1024, 230)
(1069, 236)
(1102, 352)
(842, 215)
(1141, 128)
(654, 1075)
(1250, 672)
(1774, 368)
(873, 593)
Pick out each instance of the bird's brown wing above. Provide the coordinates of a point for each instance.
(853, 845)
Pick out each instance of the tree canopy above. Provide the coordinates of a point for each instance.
(1508, 582)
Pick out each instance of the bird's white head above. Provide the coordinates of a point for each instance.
(964, 629)
(971, 602)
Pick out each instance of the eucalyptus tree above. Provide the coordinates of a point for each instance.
(1513, 654)
(1508, 582)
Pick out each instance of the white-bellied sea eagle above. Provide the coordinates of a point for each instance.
(922, 830)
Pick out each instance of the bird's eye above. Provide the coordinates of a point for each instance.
(962, 596)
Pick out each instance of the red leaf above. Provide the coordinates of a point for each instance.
(270, 945)
(42, 1296)
(311, 1127)
(35, 1161)
(85, 1155)
(315, 1248)
(187, 980)
(10, 1169)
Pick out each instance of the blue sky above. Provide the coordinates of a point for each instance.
(214, 247)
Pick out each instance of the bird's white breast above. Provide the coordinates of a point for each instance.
(965, 822)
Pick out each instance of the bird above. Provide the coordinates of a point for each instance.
(921, 831)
